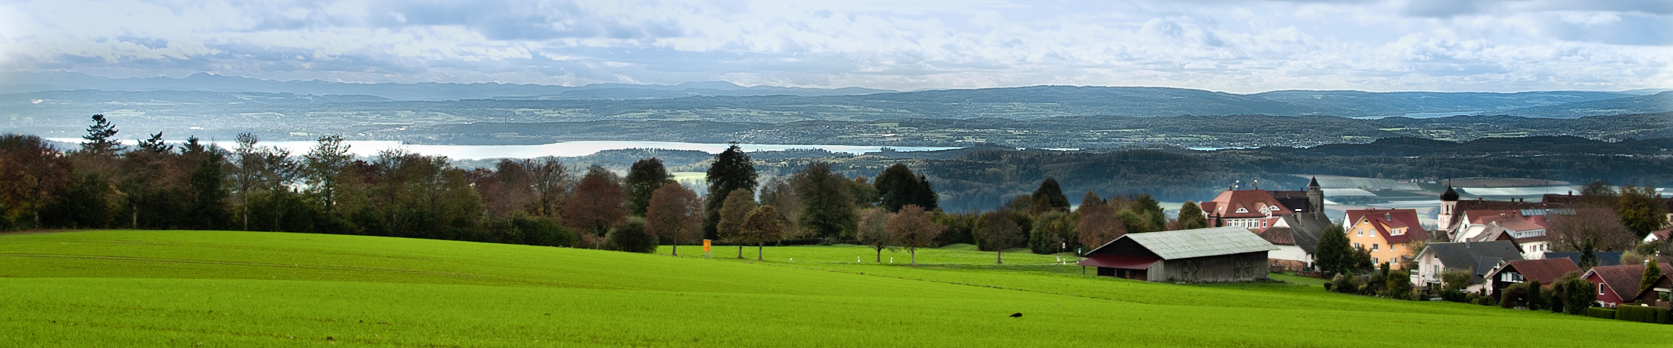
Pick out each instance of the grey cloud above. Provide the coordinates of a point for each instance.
(1631, 29)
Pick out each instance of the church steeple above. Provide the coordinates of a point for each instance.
(1315, 196)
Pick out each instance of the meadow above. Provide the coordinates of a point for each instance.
(250, 289)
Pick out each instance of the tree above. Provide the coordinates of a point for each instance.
(1091, 198)
(873, 230)
(101, 138)
(731, 214)
(1641, 210)
(155, 144)
(865, 195)
(1652, 273)
(674, 214)
(997, 232)
(827, 202)
(913, 228)
(208, 208)
(1455, 279)
(1588, 231)
(1051, 232)
(1190, 216)
(1535, 299)
(761, 225)
(323, 165)
(596, 205)
(1599, 195)
(731, 171)
(1098, 225)
(643, 179)
(1335, 255)
(1049, 197)
(31, 173)
(550, 180)
(897, 187)
(247, 167)
(779, 194)
(1150, 211)
(1577, 293)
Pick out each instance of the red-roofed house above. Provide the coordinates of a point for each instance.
(1617, 284)
(1386, 233)
(1521, 271)
(1251, 209)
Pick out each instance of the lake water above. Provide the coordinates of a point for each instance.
(366, 148)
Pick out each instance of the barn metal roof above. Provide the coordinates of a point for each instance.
(1183, 244)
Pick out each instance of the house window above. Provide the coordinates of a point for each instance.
(1356, 245)
(1373, 246)
(1376, 261)
(1241, 210)
(1361, 232)
(1600, 289)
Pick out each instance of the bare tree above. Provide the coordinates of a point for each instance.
(674, 214)
(322, 166)
(913, 228)
(1588, 231)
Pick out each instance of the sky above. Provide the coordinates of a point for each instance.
(1220, 45)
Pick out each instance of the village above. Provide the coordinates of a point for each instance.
(1477, 250)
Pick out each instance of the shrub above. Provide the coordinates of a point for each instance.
(1343, 283)
(1535, 298)
(1455, 296)
(1513, 296)
(1600, 313)
(631, 237)
(1638, 314)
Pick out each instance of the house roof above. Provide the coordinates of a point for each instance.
(1604, 258)
(1278, 235)
(1226, 205)
(1662, 234)
(1184, 244)
(1385, 220)
(1292, 200)
(1118, 261)
(1306, 228)
(1476, 257)
(1545, 271)
(1481, 204)
(1623, 279)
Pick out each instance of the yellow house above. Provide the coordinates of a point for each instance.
(1387, 233)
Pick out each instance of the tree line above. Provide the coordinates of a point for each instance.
(193, 185)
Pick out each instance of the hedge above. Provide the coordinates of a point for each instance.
(1604, 313)
(1638, 314)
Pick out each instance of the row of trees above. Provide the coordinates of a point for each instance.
(193, 185)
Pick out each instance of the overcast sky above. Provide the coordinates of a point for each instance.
(1223, 45)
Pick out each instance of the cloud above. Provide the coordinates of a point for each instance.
(1235, 46)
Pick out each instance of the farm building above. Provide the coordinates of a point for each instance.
(1220, 254)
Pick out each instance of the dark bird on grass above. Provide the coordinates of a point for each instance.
(1016, 315)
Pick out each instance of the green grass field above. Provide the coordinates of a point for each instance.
(237, 289)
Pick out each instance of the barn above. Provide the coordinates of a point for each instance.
(1220, 254)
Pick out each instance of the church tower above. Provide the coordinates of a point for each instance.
(1449, 208)
(1315, 196)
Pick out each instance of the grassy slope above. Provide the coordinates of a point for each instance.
(117, 288)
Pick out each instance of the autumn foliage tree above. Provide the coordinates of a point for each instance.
(1098, 225)
(31, 173)
(760, 226)
(874, 230)
(998, 231)
(913, 228)
(596, 206)
(674, 214)
(736, 206)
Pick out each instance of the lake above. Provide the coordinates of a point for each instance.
(368, 148)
